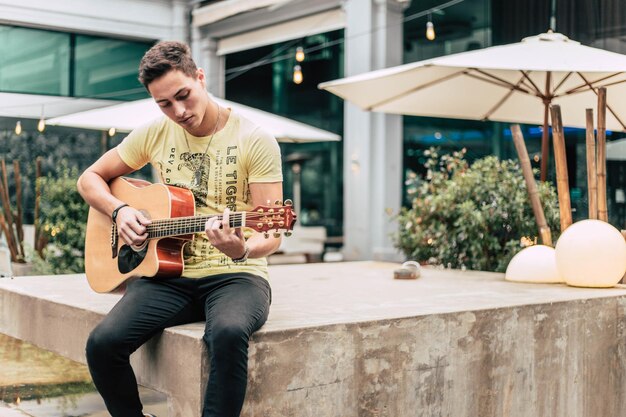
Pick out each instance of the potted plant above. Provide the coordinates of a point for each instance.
(470, 216)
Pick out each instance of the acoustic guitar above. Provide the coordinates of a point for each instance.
(110, 262)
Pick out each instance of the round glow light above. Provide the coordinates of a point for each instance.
(591, 253)
(535, 264)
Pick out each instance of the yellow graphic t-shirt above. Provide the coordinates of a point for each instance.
(239, 154)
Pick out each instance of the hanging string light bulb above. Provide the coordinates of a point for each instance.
(112, 132)
(18, 128)
(299, 54)
(430, 29)
(297, 74)
(41, 126)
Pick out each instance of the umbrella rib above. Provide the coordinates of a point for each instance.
(496, 80)
(388, 99)
(607, 104)
(561, 82)
(534, 86)
(588, 84)
(613, 83)
(502, 100)
(582, 89)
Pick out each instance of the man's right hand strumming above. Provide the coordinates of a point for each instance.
(132, 226)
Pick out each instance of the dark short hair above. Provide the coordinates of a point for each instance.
(164, 57)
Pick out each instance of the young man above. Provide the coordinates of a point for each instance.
(229, 164)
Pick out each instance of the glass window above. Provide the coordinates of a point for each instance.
(34, 61)
(464, 26)
(107, 68)
(263, 78)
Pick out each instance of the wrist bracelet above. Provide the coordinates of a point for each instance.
(244, 257)
(114, 214)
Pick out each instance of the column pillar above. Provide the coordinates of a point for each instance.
(204, 51)
(373, 142)
(180, 21)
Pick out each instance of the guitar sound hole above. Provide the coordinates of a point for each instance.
(129, 259)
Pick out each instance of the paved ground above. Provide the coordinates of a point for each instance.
(84, 405)
(24, 364)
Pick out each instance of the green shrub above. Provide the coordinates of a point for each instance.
(470, 217)
(63, 221)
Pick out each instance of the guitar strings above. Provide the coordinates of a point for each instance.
(194, 224)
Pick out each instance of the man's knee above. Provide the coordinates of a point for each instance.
(227, 337)
(101, 343)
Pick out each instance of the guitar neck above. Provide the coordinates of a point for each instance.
(179, 226)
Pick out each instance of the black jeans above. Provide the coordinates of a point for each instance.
(233, 305)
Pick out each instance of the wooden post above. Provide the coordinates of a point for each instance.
(545, 143)
(39, 237)
(592, 184)
(6, 203)
(6, 220)
(9, 235)
(601, 162)
(531, 185)
(18, 204)
(560, 159)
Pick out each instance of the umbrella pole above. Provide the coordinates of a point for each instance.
(592, 184)
(545, 145)
(531, 185)
(560, 159)
(601, 163)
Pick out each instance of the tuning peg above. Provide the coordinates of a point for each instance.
(276, 235)
(266, 235)
(277, 203)
(288, 202)
(287, 234)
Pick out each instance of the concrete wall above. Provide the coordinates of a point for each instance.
(346, 340)
(557, 360)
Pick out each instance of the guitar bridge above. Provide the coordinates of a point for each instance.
(114, 239)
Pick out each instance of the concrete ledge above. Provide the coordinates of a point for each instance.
(345, 339)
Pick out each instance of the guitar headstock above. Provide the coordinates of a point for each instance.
(277, 217)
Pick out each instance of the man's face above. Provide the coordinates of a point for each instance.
(183, 99)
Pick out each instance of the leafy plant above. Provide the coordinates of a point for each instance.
(470, 217)
(63, 221)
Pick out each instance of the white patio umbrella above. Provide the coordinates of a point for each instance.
(511, 83)
(127, 116)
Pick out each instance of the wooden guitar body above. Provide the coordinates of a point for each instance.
(109, 261)
(162, 256)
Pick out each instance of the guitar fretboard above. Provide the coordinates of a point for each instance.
(188, 225)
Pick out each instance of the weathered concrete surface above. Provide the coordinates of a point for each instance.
(347, 340)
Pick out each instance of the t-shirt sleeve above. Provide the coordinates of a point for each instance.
(264, 158)
(135, 149)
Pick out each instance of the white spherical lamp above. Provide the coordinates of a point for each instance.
(535, 264)
(591, 253)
